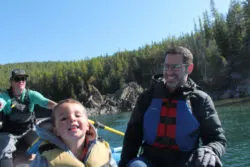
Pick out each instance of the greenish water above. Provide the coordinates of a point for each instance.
(235, 120)
(236, 123)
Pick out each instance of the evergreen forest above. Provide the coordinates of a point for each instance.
(219, 42)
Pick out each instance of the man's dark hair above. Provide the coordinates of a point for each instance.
(186, 53)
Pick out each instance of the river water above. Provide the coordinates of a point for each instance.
(235, 120)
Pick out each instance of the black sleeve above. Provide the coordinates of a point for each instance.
(212, 134)
(134, 132)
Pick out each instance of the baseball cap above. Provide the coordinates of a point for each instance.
(17, 72)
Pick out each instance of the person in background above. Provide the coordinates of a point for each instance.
(171, 118)
(18, 117)
(72, 140)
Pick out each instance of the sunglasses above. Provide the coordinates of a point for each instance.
(173, 67)
(18, 79)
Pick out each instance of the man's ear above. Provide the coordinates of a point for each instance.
(190, 68)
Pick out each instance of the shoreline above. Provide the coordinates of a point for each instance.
(231, 101)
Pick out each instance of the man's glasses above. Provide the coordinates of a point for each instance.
(18, 79)
(173, 67)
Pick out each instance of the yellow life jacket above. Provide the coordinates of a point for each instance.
(97, 156)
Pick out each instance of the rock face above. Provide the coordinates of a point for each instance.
(122, 100)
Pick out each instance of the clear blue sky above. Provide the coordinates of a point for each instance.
(69, 30)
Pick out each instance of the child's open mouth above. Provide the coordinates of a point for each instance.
(73, 128)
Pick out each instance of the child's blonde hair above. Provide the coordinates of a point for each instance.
(72, 101)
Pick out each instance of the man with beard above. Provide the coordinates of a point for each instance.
(174, 123)
(17, 105)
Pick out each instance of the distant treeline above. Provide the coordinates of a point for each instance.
(220, 44)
